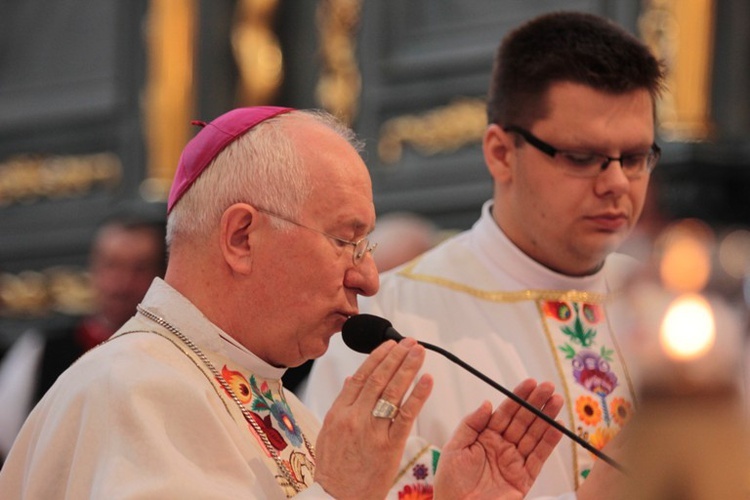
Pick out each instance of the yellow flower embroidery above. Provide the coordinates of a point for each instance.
(621, 411)
(588, 410)
(238, 384)
(601, 437)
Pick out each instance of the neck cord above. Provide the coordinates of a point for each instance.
(225, 385)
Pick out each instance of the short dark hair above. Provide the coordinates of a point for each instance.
(566, 46)
(139, 216)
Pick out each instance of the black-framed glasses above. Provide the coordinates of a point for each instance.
(590, 164)
(361, 246)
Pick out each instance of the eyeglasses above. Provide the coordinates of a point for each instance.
(589, 164)
(361, 246)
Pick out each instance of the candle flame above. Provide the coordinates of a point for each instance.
(688, 330)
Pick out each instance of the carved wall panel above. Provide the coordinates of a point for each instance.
(71, 144)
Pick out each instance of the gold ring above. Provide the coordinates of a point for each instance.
(384, 409)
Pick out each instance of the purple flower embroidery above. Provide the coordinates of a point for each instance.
(420, 471)
(593, 372)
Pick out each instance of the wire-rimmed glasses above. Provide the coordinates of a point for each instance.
(361, 246)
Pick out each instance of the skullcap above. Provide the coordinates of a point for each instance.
(211, 140)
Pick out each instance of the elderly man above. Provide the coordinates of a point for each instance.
(267, 229)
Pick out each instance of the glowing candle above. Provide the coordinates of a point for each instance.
(688, 330)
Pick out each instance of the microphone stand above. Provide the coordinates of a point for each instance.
(526, 405)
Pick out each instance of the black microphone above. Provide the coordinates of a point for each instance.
(364, 332)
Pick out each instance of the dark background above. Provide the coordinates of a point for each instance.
(72, 74)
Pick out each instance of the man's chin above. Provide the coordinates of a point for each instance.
(314, 352)
(606, 245)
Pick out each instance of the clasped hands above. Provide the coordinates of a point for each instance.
(493, 454)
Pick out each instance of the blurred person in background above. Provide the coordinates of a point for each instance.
(402, 236)
(127, 252)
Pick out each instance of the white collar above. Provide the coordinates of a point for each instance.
(496, 251)
(166, 302)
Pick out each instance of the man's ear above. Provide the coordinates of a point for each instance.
(499, 152)
(237, 225)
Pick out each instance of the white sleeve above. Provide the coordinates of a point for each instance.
(120, 425)
(18, 375)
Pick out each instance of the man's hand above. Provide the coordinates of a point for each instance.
(358, 455)
(500, 454)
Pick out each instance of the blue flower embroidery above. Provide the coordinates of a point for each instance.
(279, 408)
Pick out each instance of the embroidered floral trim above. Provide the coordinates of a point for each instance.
(418, 491)
(588, 410)
(557, 309)
(274, 436)
(420, 471)
(414, 481)
(301, 466)
(591, 369)
(601, 436)
(261, 400)
(289, 469)
(593, 372)
(238, 383)
(621, 411)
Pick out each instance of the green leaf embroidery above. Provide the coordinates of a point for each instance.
(577, 334)
(260, 401)
(568, 350)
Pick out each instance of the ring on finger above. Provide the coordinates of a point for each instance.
(384, 409)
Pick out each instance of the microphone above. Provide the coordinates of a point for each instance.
(364, 332)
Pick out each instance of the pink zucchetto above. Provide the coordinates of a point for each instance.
(211, 140)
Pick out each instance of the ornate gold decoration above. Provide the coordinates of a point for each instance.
(257, 51)
(440, 130)
(170, 35)
(27, 178)
(37, 293)
(680, 32)
(340, 82)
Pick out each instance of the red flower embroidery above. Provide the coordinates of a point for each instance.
(274, 436)
(561, 311)
(592, 313)
(416, 492)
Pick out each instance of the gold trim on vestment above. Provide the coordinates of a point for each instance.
(502, 296)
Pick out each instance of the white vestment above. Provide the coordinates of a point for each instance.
(144, 416)
(482, 299)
